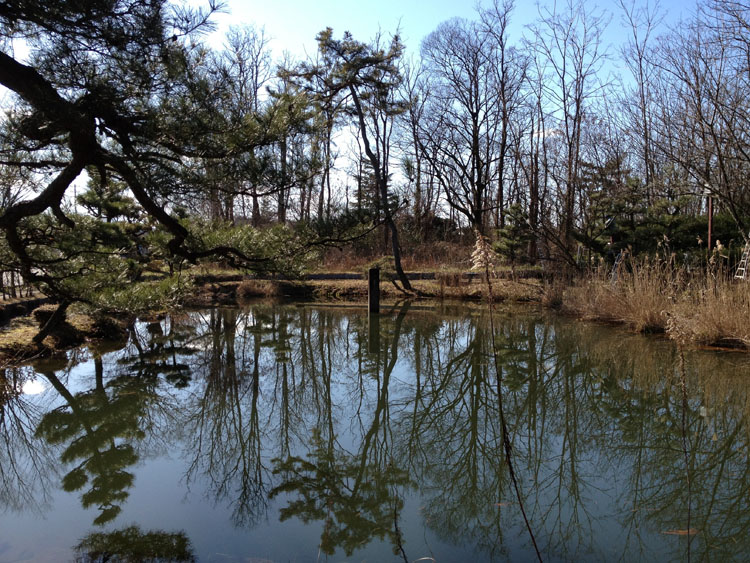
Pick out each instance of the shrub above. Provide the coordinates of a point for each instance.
(387, 267)
(258, 288)
(144, 296)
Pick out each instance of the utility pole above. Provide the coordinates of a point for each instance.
(710, 210)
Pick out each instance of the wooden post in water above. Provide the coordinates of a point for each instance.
(373, 317)
(373, 290)
(373, 334)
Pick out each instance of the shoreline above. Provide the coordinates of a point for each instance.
(585, 300)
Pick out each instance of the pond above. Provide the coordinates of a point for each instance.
(303, 432)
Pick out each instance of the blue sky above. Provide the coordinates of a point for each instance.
(293, 24)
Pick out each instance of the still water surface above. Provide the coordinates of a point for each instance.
(308, 433)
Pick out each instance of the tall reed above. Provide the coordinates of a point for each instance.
(658, 294)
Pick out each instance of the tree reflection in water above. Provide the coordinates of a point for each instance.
(221, 423)
(356, 494)
(27, 467)
(96, 428)
(131, 545)
(310, 412)
(99, 429)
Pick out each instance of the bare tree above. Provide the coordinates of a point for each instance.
(703, 117)
(510, 69)
(248, 68)
(462, 125)
(569, 44)
(642, 22)
(415, 91)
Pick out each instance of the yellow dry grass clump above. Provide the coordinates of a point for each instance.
(717, 315)
(703, 307)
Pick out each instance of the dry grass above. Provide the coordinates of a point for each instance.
(356, 289)
(16, 341)
(447, 278)
(438, 256)
(502, 289)
(257, 288)
(423, 257)
(17, 345)
(640, 308)
(717, 315)
(24, 296)
(249, 289)
(655, 296)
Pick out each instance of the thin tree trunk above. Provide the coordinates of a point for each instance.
(382, 183)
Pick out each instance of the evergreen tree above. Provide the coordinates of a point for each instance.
(122, 89)
(367, 78)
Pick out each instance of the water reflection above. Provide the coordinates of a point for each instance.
(358, 495)
(388, 433)
(95, 429)
(131, 544)
(27, 467)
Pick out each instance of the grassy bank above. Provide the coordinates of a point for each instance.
(17, 344)
(440, 288)
(202, 289)
(700, 307)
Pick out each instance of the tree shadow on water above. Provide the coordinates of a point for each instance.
(131, 545)
(97, 428)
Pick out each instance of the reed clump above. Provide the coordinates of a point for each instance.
(258, 288)
(700, 305)
(717, 315)
(249, 289)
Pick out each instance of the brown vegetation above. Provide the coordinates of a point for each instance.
(705, 307)
(422, 256)
(17, 344)
(445, 286)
